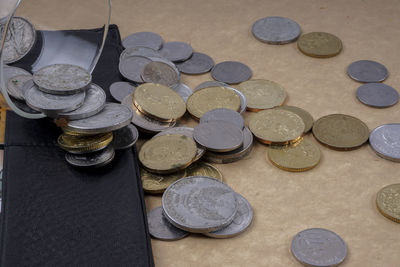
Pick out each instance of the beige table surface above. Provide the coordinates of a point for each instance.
(339, 194)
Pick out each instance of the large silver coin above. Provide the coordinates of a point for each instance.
(15, 84)
(377, 95)
(367, 71)
(139, 51)
(161, 73)
(21, 37)
(132, 67)
(199, 204)
(276, 30)
(210, 84)
(112, 117)
(319, 247)
(176, 51)
(161, 228)
(9, 72)
(223, 114)
(183, 90)
(62, 79)
(198, 63)
(119, 90)
(95, 159)
(94, 102)
(231, 72)
(146, 39)
(125, 137)
(385, 141)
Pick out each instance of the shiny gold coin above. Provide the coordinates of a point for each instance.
(388, 202)
(319, 44)
(307, 118)
(159, 101)
(167, 153)
(341, 132)
(210, 98)
(203, 169)
(157, 183)
(262, 94)
(279, 127)
(84, 144)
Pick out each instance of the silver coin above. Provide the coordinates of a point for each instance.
(125, 137)
(146, 39)
(15, 84)
(168, 62)
(161, 73)
(231, 72)
(198, 63)
(385, 141)
(21, 37)
(218, 136)
(183, 90)
(119, 90)
(27, 85)
(9, 72)
(319, 247)
(176, 51)
(199, 204)
(210, 84)
(305, 115)
(139, 51)
(367, 71)
(223, 114)
(132, 67)
(95, 159)
(276, 30)
(94, 102)
(240, 223)
(62, 79)
(112, 117)
(377, 95)
(161, 228)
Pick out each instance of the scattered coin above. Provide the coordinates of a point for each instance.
(95, 159)
(146, 39)
(161, 228)
(210, 84)
(305, 115)
(183, 90)
(319, 44)
(14, 86)
(231, 72)
(132, 67)
(388, 202)
(168, 62)
(154, 183)
(76, 144)
(125, 137)
(276, 30)
(161, 73)
(9, 72)
(204, 169)
(119, 90)
(385, 141)
(223, 114)
(377, 95)
(198, 63)
(139, 51)
(367, 71)
(176, 51)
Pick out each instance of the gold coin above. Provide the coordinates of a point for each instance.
(307, 118)
(341, 132)
(168, 153)
(159, 101)
(203, 169)
(319, 44)
(84, 144)
(210, 98)
(388, 202)
(157, 183)
(277, 126)
(302, 156)
(262, 94)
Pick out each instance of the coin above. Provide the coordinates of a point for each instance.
(119, 90)
(367, 71)
(341, 132)
(377, 95)
(125, 137)
(76, 144)
(305, 115)
(218, 136)
(279, 127)
(9, 72)
(168, 153)
(27, 85)
(154, 183)
(223, 114)
(204, 169)
(159, 72)
(168, 62)
(241, 221)
(161, 228)
(198, 63)
(276, 30)
(262, 94)
(231, 72)
(176, 51)
(211, 98)
(139, 51)
(62, 79)
(318, 247)
(388, 202)
(159, 101)
(146, 39)
(319, 44)
(183, 90)
(210, 84)
(95, 159)
(131, 68)
(14, 85)
(385, 141)
(199, 204)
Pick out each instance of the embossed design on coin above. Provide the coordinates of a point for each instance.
(176, 51)
(119, 90)
(161, 228)
(231, 72)
(305, 115)
(276, 30)
(159, 72)
(132, 67)
(198, 63)
(223, 114)
(15, 84)
(146, 39)
(385, 141)
(154, 183)
(95, 159)
(367, 71)
(388, 202)
(319, 44)
(377, 95)
(125, 137)
(204, 169)
(183, 90)
(78, 144)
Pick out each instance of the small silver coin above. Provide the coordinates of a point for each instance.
(9, 72)
(95, 159)
(146, 39)
(218, 136)
(319, 247)
(183, 90)
(139, 51)
(112, 117)
(15, 84)
(241, 221)
(199, 204)
(223, 114)
(210, 84)
(119, 90)
(377, 95)
(161, 228)
(367, 71)
(198, 63)
(231, 72)
(132, 67)
(125, 137)
(385, 141)
(276, 30)
(161, 73)
(176, 51)
(94, 102)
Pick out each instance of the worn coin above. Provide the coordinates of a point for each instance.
(9, 72)
(80, 144)
(385, 141)
(319, 247)
(231, 72)
(367, 71)
(203, 169)
(132, 67)
(276, 30)
(183, 90)
(198, 63)
(377, 95)
(146, 39)
(95, 159)
(168, 62)
(161, 228)
(154, 183)
(159, 72)
(341, 132)
(388, 202)
(125, 137)
(305, 115)
(176, 51)
(119, 90)
(223, 114)
(319, 44)
(139, 51)
(210, 84)
(15, 84)
(199, 204)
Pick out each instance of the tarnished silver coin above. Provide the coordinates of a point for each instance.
(231, 72)
(161, 73)
(161, 228)
(377, 95)
(139, 51)
(218, 136)
(132, 67)
(367, 71)
(385, 141)
(119, 90)
(198, 63)
(210, 84)
(168, 62)
(183, 90)
(199, 204)
(112, 117)
(95, 159)
(94, 102)
(15, 84)
(9, 72)
(176, 51)
(146, 39)
(125, 137)
(276, 30)
(223, 114)
(319, 247)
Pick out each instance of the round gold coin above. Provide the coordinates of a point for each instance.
(84, 144)
(388, 202)
(210, 98)
(203, 169)
(319, 44)
(305, 115)
(157, 183)
(262, 94)
(167, 153)
(159, 101)
(340, 132)
(277, 126)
